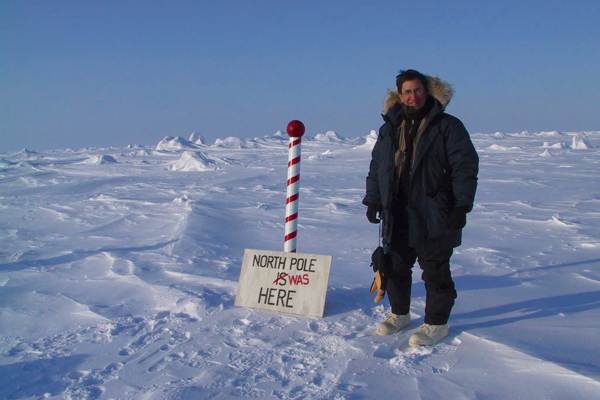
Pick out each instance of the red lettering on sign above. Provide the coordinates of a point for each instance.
(299, 279)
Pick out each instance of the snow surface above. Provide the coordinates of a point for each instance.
(118, 279)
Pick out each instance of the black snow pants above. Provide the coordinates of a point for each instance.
(435, 268)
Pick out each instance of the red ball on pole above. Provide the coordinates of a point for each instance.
(295, 129)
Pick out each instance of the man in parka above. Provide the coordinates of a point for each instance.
(422, 181)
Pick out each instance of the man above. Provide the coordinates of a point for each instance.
(422, 181)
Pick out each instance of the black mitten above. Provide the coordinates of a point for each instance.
(458, 218)
(372, 213)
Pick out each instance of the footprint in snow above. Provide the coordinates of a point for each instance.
(422, 361)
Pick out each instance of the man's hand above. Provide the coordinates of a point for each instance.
(372, 213)
(458, 218)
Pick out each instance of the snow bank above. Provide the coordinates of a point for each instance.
(235, 143)
(328, 137)
(100, 159)
(141, 153)
(370, 139)
(550, 134)
(27, 152)
(366, 142)
(497, 147)
(281, 135)
(198, 139)
(580, 142)
(5, 163)
(194, 161)
(560, 145)
(177, 143)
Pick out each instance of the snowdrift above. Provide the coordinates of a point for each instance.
(100, 159)
(194, 161)
(177, 143)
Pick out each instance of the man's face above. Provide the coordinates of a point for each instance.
(413, 94)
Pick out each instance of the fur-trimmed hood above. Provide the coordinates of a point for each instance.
(440, 90)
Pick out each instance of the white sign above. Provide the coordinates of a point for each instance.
(287, 282)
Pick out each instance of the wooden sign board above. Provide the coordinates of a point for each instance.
(286, 282)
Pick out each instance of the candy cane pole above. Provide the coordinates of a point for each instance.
(295, 130)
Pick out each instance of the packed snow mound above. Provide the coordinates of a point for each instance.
(329, 137)
(560, 145)
(198, 139)
(171, 143)
(100, 159)
(26, 152)
(367, 142)
(277, 138)
(280, 135)
(550, 134)
(5, 163)
(371, 138)
(580, 142)
(235, 143)
(141, 153)
(195, 161)
(497, 147)
(326, 154)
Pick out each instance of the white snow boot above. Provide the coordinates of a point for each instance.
(428, 335)
(393, 324)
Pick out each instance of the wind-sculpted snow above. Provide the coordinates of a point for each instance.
(197, 139)
(580, 142)
(5, 163)
(195, 161)
(118, 279)
(100, 159)
(329, 137)
(177, 143)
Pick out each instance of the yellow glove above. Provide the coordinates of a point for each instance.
(377, 286)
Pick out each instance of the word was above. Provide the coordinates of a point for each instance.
(283, 278)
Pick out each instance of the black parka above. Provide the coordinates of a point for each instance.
(443, 174)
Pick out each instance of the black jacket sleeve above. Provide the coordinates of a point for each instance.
(373, 195)
(464, 163)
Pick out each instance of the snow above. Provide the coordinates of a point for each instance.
(118, 279)
(546, 153)
(580, 142)
(329, 136)
(559, 145)
(198, 139)
(100, 159)
(195, 161)
(170, 143)
(5, 163)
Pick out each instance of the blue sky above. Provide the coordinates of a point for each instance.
(111, 73)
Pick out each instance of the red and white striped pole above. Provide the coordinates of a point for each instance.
(295, 130)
